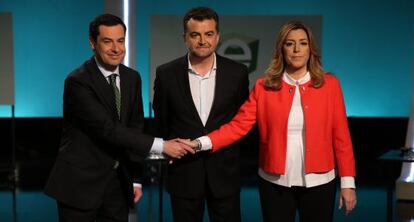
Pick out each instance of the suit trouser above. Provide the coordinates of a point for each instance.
(114, 207)
(226, 209)
(280, 203)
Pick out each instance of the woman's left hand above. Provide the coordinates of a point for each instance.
(347, 197)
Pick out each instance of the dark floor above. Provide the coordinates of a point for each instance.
(33, 206)
(35, 156)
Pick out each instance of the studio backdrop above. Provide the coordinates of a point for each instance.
(246, 39)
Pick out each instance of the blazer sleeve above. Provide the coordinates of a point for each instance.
(82, 106)
(137, 114)
(341, 137)
(239, 126)
(136, 164)
(160, 106)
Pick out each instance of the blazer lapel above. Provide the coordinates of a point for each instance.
(101, 86)
(184, 84)
(125, 93)
(219, 88)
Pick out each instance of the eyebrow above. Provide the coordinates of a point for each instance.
(299, 40)
(107, 38)
(194, 32)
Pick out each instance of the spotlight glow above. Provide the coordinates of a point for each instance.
(127, 37)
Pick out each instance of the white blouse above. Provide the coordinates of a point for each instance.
(295, 156)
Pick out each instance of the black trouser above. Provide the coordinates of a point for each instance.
(113, 208)
(314, 204)
(225, 209)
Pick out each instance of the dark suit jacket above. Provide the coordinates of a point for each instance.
(93, 137)
(176, 116)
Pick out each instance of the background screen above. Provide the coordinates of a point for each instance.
(368, 45)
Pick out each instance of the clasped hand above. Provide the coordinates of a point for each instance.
(177, 148)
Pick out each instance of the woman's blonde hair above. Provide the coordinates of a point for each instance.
(274, 72)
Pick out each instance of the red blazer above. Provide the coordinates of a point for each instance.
(327, 135)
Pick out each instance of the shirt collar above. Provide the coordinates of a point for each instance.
(192, 71)
(288, 79)
(104, 71)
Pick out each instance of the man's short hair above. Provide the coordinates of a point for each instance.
(200, 14)
(106, 20)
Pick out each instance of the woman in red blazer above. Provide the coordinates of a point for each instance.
(304, 135)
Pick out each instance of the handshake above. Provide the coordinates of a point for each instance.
(177, 148)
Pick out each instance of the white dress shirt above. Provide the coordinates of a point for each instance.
(202, 89)
(106, 73)
(202, 92)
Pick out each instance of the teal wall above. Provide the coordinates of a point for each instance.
(368, 44)
(50, 40)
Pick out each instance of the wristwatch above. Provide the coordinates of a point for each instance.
(198, 147)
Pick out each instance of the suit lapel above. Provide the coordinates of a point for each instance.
(125, 93)
(101, 86)
(184, 84)
(219, 88)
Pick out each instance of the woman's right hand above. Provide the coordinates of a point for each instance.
(347, 198)
(192, 143)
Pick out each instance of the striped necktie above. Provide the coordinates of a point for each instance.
(117, 94)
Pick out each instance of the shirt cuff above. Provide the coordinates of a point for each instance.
(157, 146)
(205, 143)
(137, 185)
(348, 182)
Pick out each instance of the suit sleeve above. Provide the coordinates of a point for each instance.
(83, 108)
(137, 118)
(136, 165)
(160, 106)
(341, 137)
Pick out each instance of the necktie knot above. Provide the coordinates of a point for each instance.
(112, 79)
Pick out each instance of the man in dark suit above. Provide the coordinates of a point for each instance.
(194, 95)
(102, 141)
